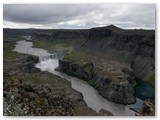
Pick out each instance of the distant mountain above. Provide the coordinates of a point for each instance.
(111, 27)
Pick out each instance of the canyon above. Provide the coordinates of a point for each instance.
(111, 59)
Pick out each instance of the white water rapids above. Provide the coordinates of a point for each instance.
(48, 62)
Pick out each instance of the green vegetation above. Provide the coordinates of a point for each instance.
(56, 45)
(88, 69)
(71, 56)
(7, 50)
(151, 79)
(26, 79)
(78, 57)
(50, 46)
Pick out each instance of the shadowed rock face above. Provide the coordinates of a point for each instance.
(22, 64)
(112, 89)
(60, 34)
(136, 47)
(133, 47)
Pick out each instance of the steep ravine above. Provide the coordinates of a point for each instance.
(90, 95)
(115, 91)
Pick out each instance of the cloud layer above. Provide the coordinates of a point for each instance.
(78, 15)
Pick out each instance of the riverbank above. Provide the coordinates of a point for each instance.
(28, 91)
(111, 79)
(90, 95)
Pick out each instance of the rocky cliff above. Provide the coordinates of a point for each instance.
(60, 34)
(135, 47)
(119, 91)
(115, 58)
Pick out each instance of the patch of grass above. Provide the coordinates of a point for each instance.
(50, 46)
(56, 44)
(7, 50)
(78, 57)
(88, 69)
(71, 56)
(33, 79)
(26, 79)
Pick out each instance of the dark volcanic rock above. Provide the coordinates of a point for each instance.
(136, 47)
(116, 91)
(148, 108)
(60, 34)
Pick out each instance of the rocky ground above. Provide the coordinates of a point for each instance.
(28, 91)
(148, 108)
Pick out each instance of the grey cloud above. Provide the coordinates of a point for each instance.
(44, 13)
(80, 15)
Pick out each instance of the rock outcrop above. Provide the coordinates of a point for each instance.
(119, 91)
(148, 108)
(21, 64)
(135, 47)
(60, 34)
(28, 99)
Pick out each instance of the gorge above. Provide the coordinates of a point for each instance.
(112, 60)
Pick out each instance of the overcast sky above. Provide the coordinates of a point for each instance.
(78, 15)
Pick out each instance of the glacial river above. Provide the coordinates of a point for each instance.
(48, 62)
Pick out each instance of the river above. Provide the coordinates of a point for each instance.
(90, 95)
